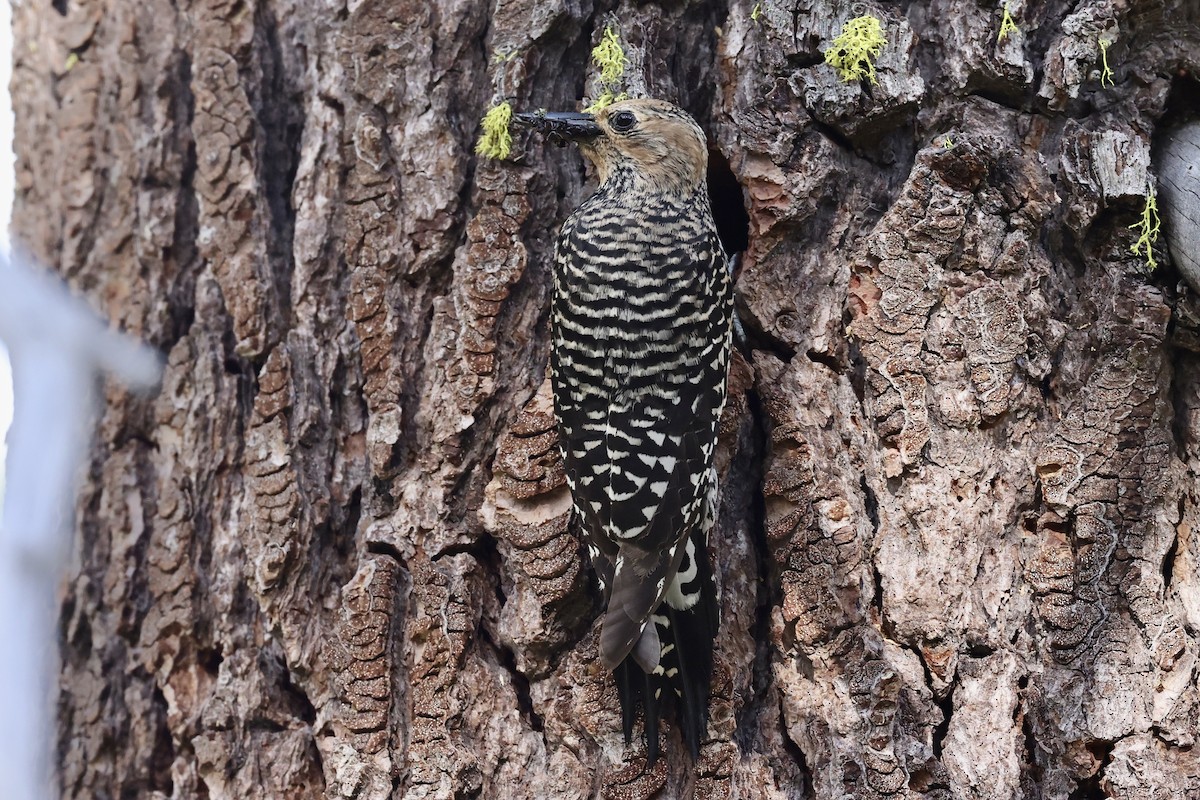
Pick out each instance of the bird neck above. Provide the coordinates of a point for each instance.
(628, 184)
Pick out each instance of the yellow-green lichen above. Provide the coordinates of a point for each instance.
(1007, 25)
(948, 143)
(854, 51)
(1147, 228)
(609, 56)
(605, 100)
(496, 141)
(756, 12)
(1107, 74)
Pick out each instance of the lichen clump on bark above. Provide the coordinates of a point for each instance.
(1007, 25)
(1106, 77)
(854, 51)
(496, 141)
(610, 57)
(1147, 228)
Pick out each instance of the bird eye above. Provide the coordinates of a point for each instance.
(622, 121)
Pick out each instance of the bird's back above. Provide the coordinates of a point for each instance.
(641, 315)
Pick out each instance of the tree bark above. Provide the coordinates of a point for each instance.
(333, 557)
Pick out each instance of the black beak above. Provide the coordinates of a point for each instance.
(561, 126)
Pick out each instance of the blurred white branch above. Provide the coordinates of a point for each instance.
(56, 346)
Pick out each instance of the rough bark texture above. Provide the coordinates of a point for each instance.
(332, 557)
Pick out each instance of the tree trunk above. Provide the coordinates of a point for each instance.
(333, 558)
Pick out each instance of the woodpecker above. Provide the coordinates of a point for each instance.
(641, 327)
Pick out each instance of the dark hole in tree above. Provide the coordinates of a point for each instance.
(728, 205)
(210, 659)
(60, 6)
(1089, 787)
(1183, 103)
(1168, 564)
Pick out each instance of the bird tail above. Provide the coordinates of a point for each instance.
(686, 625)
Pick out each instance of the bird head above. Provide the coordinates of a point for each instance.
(651, 140)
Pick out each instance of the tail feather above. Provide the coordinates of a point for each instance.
(693, 665)
(629, 690)
(652, 702)
(682, 679)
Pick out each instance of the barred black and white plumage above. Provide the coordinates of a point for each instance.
(642, 312)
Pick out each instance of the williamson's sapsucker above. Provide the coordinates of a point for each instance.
(641, 321)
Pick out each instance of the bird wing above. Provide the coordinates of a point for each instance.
(639, 492)
(637, 467)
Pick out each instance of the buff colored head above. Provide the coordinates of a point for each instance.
(656, 142)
